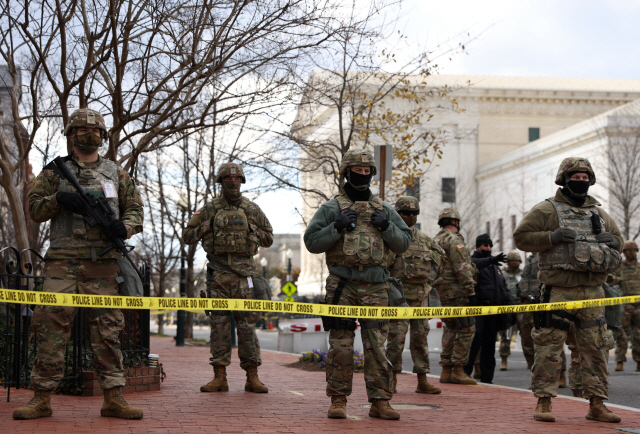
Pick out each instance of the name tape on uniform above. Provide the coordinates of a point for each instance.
(200, 304)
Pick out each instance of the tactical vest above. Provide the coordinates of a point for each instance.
(529, 284)
(364, 245)
(416, 265)
(230, 233)
(512, 282)
(586, 254)
(69, 230)
(630, 275)
(447, 275)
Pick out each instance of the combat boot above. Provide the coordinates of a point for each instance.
(253, 383)
(578, 393)
(338, 409)
(543, 410)
(425, 387)
(503, 365)
(563, 380)
(476, 370)
(458, 376)
(219, 382)
(619, 367)
(382, 409)
(394, 383)
(445, 375)
(114, 405)
(597, 411)
(38, 406)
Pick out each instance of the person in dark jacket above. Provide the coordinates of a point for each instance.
(491, 290)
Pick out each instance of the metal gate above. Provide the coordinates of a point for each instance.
(18, 344)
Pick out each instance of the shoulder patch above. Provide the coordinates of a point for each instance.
(197, 212)
(460, 246)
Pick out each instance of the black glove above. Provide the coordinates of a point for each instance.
(473, 301)
(346, 221)
(608, 239)
(499, 259)
(71, 201)
(563, 235)
(379, 220)
(115, 228)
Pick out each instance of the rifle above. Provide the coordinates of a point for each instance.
(203, 294)
(97, 211)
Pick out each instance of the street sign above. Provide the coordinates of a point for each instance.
(383, 156)
(289, 288)
(291, 299)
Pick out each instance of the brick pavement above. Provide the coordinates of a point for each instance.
(296, 403)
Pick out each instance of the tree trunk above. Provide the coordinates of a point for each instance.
(161, 324)
(17, 210)
(188, 329)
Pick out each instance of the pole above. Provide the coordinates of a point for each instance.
(383, 161)
(183, 293)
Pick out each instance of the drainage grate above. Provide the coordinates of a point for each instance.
(410, 406)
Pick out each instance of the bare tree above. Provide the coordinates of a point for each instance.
(622, 182)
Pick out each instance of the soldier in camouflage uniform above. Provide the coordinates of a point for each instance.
(356, 230)
(512, 274)
(417, 268)
(628, 277)
(456, 288)
(231, 228)
(578, 244)
(72, 265)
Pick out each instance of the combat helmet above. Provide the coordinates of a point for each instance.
(357, 157)
(514, 256)
(630, 245)
(572, 165)
(448, 213)
(408, 203)
(230, 169)
(86, 118)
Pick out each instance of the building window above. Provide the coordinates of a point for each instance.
(513, 229)
(449, 190)
(488, 231)
(534, 133)
(413, 187)
(500, 235)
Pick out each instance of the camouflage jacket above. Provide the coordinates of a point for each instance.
(418, 267)
(217, 241)
(512, 280)
(628, 277)
(43, 206)
(533, 234)
(458, 275)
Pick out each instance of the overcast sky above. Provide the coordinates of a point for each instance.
(560, 38)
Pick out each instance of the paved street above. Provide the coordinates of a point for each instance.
(623, 386)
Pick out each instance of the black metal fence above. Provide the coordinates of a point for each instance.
(18, 343)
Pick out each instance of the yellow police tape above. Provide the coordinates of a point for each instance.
(200, 304)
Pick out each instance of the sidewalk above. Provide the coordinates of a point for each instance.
(296, 403)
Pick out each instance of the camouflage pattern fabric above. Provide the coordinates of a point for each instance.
(512, 279)
(420, 264)
(630, 329)
(450, 213)
(86, 118)
(357, 157)
(456, 338)
(586, 254)
(525, 326)
(230, 169)
(52, 324)
(223, 284)
(592, 344)
(407, 203)
(364, 245)
(377, 369)
(572, 165)
(71, 237)
(222, 237)
(417, 341)
(458, 275)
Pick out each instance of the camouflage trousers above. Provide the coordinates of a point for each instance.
(52, 324)
(223, 284)
(377, 369)
(456, 336)
(630, 329)
(417, 341)
(591, 348)
(505, 341)
(525, 326)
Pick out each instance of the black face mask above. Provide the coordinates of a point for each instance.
(357, 186)
(485, 253)
(231, 191)
(578, 188)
